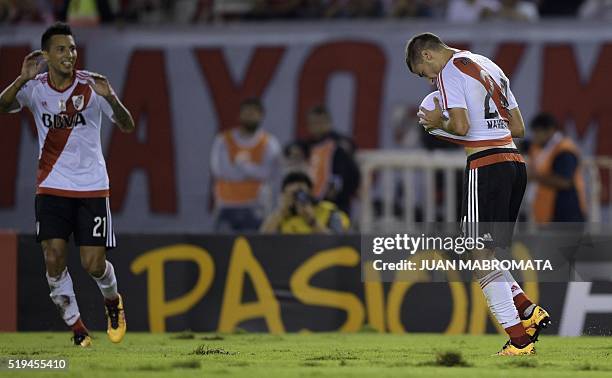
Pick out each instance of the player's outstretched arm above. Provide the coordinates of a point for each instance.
(30, 68)
(516, 123)
(121, 116)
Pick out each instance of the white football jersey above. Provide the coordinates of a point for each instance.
(475, 83)
(70, 160)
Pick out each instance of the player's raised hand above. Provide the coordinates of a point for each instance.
(431, 119)
(32, 65)
(121, 116)
(100, 85)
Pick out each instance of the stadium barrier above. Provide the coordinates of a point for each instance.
(412, 174)
(279, 284)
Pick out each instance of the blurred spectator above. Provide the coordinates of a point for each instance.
(203, 12)
(469, 11)
(515, 10)
(413, 8)
(596, 10)
(88, 12)
(93, 12)
(7, 11)
(84, 12)
(311, 9)
(559, 8)
(296, 157)
(298, 212)
(332, 162)
(353, 8)
(554, 167)
(190, 11)
(25, 11)
(233, 9)
(267, 9)
(146, 11)
(243, 160)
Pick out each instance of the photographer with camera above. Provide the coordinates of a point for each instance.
(298, 212)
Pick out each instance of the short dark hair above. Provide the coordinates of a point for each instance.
(417, 44)
(252, 101)
(294, 177)
(544, 121)
(58, 28)
(318, 110)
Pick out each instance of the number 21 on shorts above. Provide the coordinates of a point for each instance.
(99, 222)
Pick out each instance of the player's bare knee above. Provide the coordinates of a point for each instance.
(92, 268)
(95, 266)
(54, 260)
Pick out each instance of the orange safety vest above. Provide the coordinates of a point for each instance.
(321, 156)
(544, 201)
(244, 191)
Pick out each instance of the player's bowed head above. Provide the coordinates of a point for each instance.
(426, 56)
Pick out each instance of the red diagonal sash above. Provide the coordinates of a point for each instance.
(473, 69)
(56, 138)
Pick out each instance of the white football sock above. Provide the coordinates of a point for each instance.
(108, 282)
(514, 286)
(62, 294)
(499, 297)
(516, 290)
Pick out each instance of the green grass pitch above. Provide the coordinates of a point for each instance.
(308, 355)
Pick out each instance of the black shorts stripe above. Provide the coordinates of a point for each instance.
(110, 233)
(492, 196)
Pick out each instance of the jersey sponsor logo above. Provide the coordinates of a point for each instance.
(63, 121)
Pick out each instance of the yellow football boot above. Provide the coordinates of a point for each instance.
(538, 320)
(510, 349)
(117, 325)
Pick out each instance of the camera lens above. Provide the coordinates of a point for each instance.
(301, 197)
